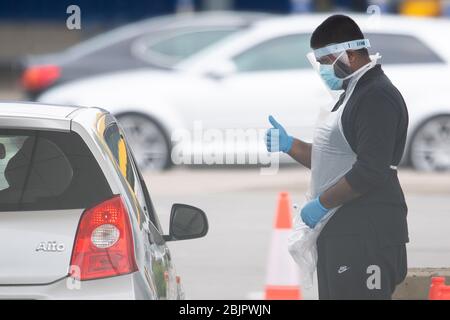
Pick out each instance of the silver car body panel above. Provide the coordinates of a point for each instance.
(115, 288)
(25, 115)
(31, 244)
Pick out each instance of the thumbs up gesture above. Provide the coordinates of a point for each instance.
(277, 138)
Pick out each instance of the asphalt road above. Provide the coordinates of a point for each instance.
(230, 262)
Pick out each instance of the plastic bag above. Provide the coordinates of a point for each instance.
(302, 247)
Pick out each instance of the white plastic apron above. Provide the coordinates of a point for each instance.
(331, 158)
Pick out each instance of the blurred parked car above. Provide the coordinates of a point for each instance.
(76, 213)
(153, 43)
(239, 81)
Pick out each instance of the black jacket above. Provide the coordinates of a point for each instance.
(375, 124)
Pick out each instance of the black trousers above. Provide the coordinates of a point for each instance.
(357, 267)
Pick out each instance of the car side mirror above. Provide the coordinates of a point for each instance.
(221, 70)
(186, 222)
(2, 151)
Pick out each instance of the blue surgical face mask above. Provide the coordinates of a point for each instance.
(328, 75)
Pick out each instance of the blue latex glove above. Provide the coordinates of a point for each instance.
(313, 212)
(277, 138)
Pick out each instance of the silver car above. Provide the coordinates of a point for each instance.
(76, 219)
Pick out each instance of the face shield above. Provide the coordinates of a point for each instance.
(332, 63)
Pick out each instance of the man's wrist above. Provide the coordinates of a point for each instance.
(290, 142)
(321, 204)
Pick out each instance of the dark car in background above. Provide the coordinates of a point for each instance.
(156, 43)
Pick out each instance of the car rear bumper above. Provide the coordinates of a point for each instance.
(124, 287)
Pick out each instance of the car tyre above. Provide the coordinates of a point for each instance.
(148, 140)
(430, 145)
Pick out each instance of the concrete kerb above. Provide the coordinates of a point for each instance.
(416, 286)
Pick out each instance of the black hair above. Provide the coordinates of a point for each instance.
(336, 29)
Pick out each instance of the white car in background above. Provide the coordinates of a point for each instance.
(263, 70)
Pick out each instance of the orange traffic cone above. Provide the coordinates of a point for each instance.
(438, 289)
(282, 281)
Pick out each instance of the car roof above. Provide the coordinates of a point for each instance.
(43, 116)
(368, 23)
(141, 27)
(199, 19)
(27, 109)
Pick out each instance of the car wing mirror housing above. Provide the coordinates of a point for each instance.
(186, 222)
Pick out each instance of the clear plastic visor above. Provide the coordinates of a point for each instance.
(338, 61)
(336, 55)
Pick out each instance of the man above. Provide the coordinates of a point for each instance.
(353, 158)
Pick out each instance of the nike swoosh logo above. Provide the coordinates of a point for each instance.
(343, 269)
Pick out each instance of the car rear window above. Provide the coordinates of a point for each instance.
(44, 170)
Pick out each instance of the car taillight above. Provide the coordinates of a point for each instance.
(104, 242)
(39, 77)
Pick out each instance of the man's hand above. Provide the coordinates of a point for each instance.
(277, 138)
(313, 212)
